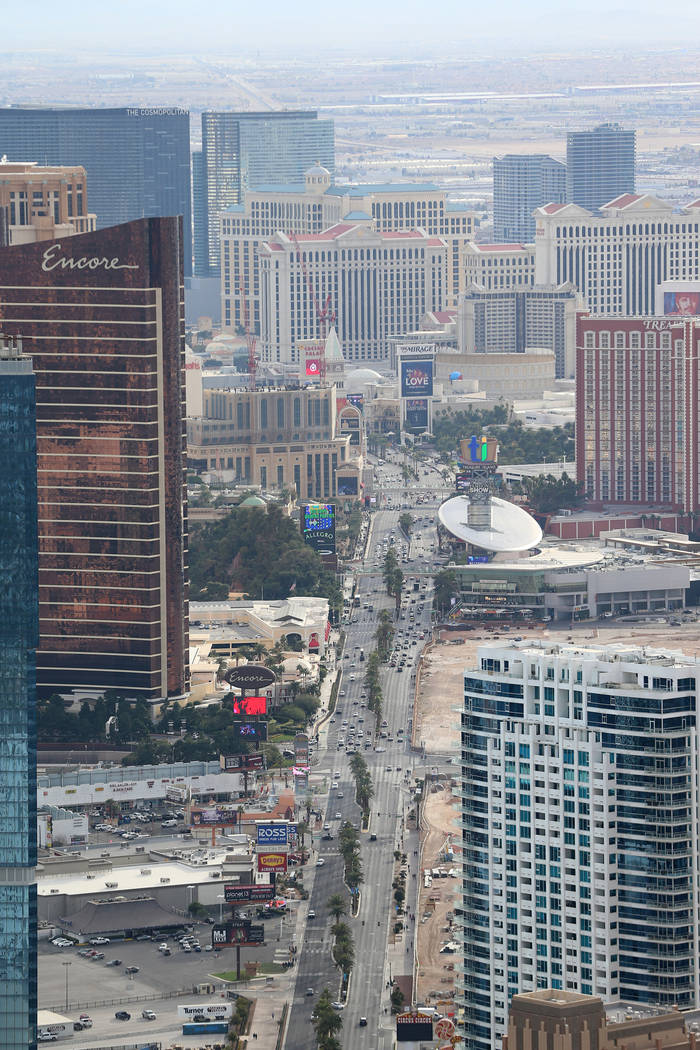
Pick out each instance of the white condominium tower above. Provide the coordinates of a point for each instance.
(617, 257)
(580, 828)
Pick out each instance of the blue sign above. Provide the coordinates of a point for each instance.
(416, 378)
(272, 834)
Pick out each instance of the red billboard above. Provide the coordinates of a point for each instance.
(272, 861)
(250, 705)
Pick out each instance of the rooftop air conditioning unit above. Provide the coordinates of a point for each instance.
(145, 871)
(111, 885)
(90, 876)
(54, 891)
(165, 880)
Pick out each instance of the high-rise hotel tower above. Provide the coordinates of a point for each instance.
(101, 314)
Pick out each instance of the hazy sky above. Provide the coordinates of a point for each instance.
(371, 26)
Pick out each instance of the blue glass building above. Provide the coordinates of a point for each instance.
(18, 640)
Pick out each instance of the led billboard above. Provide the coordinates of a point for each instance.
(318, 526)
(250, 705)
(416, 378)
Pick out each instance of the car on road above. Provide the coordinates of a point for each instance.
(122, 1015)
(320, 862)
(132, 969)
(338, 1006)
(148, 1015)
(312, 913)
(46, 1037)
(114, 962)
(309, 992)
(363, 1022)
(339, 816)
(99, 940)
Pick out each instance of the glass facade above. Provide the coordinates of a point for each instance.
(579, 827)
(137, 160)
(243, 151)
(107, 342)
(522, 183)
(600, 165)
(18, 639)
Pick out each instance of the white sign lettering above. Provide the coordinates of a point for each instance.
(404, 349)
(657, 326)
(52, 261)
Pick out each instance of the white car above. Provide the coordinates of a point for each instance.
(99, 940)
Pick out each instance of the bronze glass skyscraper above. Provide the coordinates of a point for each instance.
(101, 314)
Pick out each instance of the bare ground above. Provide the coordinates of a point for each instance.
(435, 976)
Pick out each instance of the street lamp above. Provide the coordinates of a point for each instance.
(66, 965)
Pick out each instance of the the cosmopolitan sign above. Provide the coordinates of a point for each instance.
(250, 676)
(53, 260)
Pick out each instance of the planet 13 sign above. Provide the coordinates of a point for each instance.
(416, 378)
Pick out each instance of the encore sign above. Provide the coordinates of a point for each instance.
(52, 261)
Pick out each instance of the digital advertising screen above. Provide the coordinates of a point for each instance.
(685, 304)
(252, 731)
(318, 526)
(250, 705)
(347, 486)
(417, 413)
(416, 378)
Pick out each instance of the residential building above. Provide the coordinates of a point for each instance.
(373, 285)
(317, 204)
(41, 204)
(516, 319)
(137, 159)
(521, 183)
(495, 267)
(579, 828)
(242, 151)
(637, 410)
(101, 316)
(617, 258)
(277, 439)
(600, 165)
(18, 640)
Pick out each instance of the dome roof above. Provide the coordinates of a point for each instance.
(363, 375)
(316, 170)
(292, 663)
(253, 501)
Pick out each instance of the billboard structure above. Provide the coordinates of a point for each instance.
(239, 932)
(318, 526)
(416, 413)
(213, 815)
(272, 833)
(417, 378)
(414, 1027)
(240, 762)
(250, 705)
(683, 303)
(244, 892)
(270, 861)
(252, 731)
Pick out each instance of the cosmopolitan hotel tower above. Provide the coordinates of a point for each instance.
(102, 316)
(18, 638)
(580, 828)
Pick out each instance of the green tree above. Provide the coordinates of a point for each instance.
(406, 522)
(445, 587)
(336, 905)
(547, 494)
(326, 1021)
(384, 635)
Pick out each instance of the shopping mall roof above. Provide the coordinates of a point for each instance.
(511, 528)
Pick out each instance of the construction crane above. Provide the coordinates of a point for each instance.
(249, 335)
(324, 315)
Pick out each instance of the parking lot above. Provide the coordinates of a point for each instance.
(92, 981)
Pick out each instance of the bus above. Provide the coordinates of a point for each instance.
(204, 1027)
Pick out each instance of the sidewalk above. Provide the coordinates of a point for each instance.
(401, 958)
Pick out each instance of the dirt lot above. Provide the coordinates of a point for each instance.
(435, 722)
(435, 976)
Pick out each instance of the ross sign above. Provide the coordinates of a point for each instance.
(241, 933)
(416, 378)
(413, 1026)
(250, 705)
(318, 526)
(233, 894)
(272, 834)
(272, 861)
(415, 349)
(417, 413)
(250, 676)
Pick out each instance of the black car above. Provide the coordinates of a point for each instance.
(122, 1015)
(132, 969)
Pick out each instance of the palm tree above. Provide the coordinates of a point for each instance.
(336, 905)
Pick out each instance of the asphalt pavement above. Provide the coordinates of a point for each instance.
(369, 993)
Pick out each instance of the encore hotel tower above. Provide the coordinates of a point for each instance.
(101, 314)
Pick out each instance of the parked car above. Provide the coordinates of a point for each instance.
(99, 940)
(114, 962)
(148, 1015)
(132, 969)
